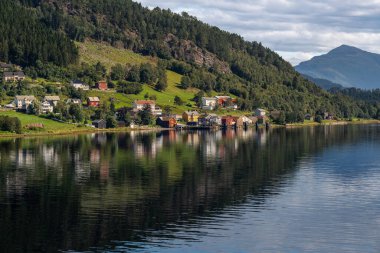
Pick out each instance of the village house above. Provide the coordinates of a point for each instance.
(242, 121)
(166, 122)
(102, 85)
(46, 107)
(308, 116)
(209, 103)
(139, 105)
(228, 121)
(227, 102)
(93, 102)
(99, 123)
(13, 76)
(53, 100)
(23, 102)
(79, 85)
(260, 112)
(75, 101)
(5, 66)
(190, 117)
(210, 120)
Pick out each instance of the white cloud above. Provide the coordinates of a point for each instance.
(296, 29)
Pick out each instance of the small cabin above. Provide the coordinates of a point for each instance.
(166, 122)
(228, 121)
(93, 102)
(99, 124)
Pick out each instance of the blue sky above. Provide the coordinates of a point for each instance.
(296, 29)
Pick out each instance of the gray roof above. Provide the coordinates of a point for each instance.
(25, 97)
(52, 98)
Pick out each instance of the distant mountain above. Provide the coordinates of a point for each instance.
(345, 65)
(323, 83)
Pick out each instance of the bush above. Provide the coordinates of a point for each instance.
(178, 101)
(318, 119)
(129, 88)
(10, 124)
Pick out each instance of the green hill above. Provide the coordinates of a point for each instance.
(209, 58)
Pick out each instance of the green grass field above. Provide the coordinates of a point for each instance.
(50, 126)
(165, 98)
(93, 52)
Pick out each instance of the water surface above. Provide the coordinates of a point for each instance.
(297, 190)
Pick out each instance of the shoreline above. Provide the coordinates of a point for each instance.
(140, 129)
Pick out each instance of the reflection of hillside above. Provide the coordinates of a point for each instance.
(86, 190)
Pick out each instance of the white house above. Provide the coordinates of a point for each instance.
(75, 101)
(23, 102)
(260, 112)
(139, 105)
(53, 100)
(79, 85)
(46, 107)
(13, 76)
(209, 103)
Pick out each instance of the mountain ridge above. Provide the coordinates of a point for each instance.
(345, 65)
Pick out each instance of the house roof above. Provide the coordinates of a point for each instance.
(52, 98)
(222, 97)
(166, 118)
(5, 65)
(191, 113)
(76, 82)
(25, 97)
(11, 74)
(73, 100)
(209, 98)
(98, 121)
(144, 102)
(93, 99)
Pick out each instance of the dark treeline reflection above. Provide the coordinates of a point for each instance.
(85, 191)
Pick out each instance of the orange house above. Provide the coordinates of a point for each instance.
(93, 102)
(102, 85)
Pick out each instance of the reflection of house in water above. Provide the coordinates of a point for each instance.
(95, 155)
(148, 148)
(24, 157)
(82, 169)
(49, 155)
(15, 183)
(104, 170)
(191, 138)
(262, 137)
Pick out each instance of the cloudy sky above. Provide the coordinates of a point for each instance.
(296, 29)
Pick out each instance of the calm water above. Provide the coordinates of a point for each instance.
(298, 190)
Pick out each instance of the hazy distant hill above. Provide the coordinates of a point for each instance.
(323, 83)
(345, 65)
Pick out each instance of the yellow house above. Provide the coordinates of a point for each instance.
(191, 117)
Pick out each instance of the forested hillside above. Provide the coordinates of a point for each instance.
(209, 59)
(25, 39)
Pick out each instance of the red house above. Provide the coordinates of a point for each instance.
(93, 102)
(166, 122)
(102, 85)
(228, 121)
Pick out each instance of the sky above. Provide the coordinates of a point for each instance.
(295, 29)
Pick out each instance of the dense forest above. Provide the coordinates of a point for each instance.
(209, 58)
(25, 39)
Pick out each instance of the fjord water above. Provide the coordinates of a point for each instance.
(297, 190)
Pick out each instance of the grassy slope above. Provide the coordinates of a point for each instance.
(93, 52)
(51, 126)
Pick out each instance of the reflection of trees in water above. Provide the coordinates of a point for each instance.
(84, 190)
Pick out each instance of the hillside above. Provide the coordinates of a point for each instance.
(204, 57)
(323, 83)
(345, 65)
